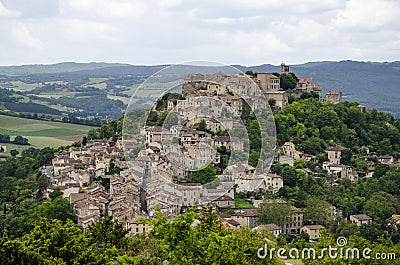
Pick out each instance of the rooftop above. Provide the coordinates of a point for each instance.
(361, 217)
(313, 227)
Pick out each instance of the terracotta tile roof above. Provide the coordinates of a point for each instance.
(273, 175)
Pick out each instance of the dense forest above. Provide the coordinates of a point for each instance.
(313, 125)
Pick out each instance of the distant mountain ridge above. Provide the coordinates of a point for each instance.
(373, 84)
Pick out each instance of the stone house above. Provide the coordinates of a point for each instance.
(280, 97)
(136, 226)
(340, 171)
(295, 222)
(289, 149)
(360, 219)
(284, 159)
(313, 231)
(305, 84)
(316, 89)
(334, 96)
(246, 217)
(268, 81)
(190, 193)
(334, 154)
(274, 182)
(275, 229)
(250, 182)
(387, 160)
(224, 201)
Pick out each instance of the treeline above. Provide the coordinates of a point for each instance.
(30, 107)
(7, 95)
(71, 118)
(4, 138)
(192, 238)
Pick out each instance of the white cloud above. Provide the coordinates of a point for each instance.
(102, 10)
(372, 15)
(171, 31)
(4, 12)
(23, 37)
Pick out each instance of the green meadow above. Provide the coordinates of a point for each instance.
(40, 133)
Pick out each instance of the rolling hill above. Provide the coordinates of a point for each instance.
(373, 84)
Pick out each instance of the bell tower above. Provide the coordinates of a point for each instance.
(284, 68)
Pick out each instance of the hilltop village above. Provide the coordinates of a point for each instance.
(99, 179)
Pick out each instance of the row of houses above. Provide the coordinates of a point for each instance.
(77, 173)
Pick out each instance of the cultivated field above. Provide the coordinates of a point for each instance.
(40, 133)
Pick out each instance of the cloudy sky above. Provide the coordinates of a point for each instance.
(247, 32)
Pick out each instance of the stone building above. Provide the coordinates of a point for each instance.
(334, 96)
(268, 82)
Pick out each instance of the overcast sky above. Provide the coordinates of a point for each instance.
(247, 32)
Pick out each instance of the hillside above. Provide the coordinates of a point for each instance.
(374, 85)
(81, 84)
(54, 68)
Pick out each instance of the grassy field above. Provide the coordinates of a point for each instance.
(40, 133)
(21, 86)
(242, 203)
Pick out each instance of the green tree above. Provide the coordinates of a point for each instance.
(201, 126)
(385, 146)
(274, 213)
(44, 157)
(20, 140)
(30, 152)
(152, 118)
(107, 233)
(326, 117)
(288, 174)
(56, 193)
(380, 170)
(200, 238)
(345, 156)
(251, 73)
(381, 205)
(299, 163)
(271, 102)
(288, 81)
(59, 208)
(318, 211)
(14, 153)
(204, 175)
(301, 179)
(60, 243)
(4, 138)
(84, 140)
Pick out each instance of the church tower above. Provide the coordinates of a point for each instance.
(284, 68)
